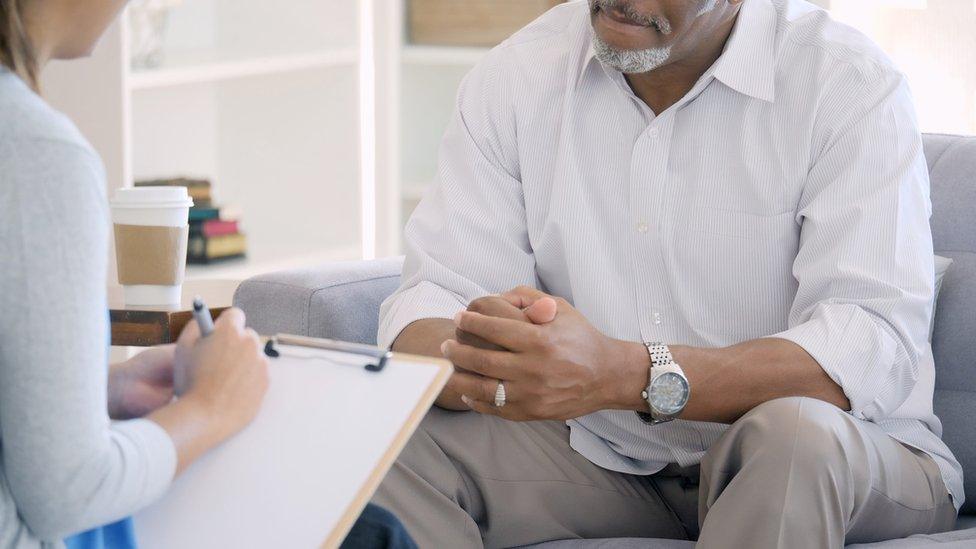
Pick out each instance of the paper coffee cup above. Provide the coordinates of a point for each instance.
(151, 231)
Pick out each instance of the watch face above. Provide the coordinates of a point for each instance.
(669, 393)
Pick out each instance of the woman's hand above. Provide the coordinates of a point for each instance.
(226, 372)
(220, 380)
(141, 384)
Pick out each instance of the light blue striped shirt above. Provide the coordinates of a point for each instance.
(785, 195)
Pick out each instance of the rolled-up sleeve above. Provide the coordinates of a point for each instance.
(468, 236)
(865, 263)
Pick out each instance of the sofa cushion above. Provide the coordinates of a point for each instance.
(942, 264)
(334, 301)
(952, 168)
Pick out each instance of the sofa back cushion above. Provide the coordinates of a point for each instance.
(952, 168)
(333, 301)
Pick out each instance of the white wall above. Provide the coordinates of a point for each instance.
(92, 92)
(934, 43)
(292, 169)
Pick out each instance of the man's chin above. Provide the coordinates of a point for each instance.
(631, 61)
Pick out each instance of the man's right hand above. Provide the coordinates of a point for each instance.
(425, 337)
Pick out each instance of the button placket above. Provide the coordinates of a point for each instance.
(652, 278)
(664, 215)
(641, 187)
(648, 172)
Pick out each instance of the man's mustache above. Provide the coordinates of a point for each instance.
(626, 8)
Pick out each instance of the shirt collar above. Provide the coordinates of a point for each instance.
(748, 64)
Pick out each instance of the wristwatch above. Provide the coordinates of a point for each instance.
(668, 390)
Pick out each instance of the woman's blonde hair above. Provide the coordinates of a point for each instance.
(16, 51)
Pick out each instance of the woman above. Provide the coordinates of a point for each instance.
(64, 468)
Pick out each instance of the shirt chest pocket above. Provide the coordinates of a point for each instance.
(735, 270)
(745, 226)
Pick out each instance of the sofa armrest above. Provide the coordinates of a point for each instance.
(335, 301)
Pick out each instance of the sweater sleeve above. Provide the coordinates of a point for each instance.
(69, 467)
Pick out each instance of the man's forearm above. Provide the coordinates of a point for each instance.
(728, 382)
(424, 337)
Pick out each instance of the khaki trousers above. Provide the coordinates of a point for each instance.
(793, 472)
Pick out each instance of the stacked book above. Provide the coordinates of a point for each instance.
(213, 236)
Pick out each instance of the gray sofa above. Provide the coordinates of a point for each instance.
(341, 301)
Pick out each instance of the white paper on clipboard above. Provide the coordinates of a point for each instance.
(298, 476)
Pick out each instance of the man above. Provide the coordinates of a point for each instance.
(713, 213)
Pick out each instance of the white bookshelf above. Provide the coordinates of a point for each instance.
(263, 99)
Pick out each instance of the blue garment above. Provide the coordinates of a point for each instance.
(118, 535)
(377, 528)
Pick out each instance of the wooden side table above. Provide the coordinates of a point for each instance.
(145, 326)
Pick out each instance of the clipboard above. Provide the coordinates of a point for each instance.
(334, 420)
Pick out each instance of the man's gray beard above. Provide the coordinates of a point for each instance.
(630, 61)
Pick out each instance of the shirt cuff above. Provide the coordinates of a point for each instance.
(857, 353)
(425, 300)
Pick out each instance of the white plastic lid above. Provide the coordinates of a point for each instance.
(152, 197)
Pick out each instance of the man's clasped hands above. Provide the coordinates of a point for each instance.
(553, 362)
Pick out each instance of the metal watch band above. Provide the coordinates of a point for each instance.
(660, 356)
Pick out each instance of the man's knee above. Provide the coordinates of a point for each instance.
(797, 429)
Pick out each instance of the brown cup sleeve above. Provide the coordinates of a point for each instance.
(150, 255)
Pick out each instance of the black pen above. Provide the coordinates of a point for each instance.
(202, 315)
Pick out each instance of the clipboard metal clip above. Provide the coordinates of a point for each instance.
(382, 356)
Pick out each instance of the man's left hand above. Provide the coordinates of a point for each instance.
(559, 370)
(141, 384)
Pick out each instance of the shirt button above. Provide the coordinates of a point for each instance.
(653, 133)
(658, 318)
(642, 227)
